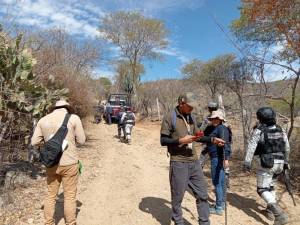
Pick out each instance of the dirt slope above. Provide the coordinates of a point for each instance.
(128, 185)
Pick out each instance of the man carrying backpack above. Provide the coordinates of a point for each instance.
(178, 131)
(67, 169)
(128, 121)
(270, 146)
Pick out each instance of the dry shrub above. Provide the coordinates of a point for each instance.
(63, 63)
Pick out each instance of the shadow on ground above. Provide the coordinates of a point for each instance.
(160, 209)
(59, 208)
(248, 206)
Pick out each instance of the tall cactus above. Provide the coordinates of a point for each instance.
(19, 90)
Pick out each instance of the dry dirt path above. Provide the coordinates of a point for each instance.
(128, 185)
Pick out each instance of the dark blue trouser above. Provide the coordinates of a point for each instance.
(218, 180)
(182, 176)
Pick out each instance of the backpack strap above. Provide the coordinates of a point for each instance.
(66, 120)
(173, 119)
(194, 121)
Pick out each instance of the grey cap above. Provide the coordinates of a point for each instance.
(188, 98)
(212, 104)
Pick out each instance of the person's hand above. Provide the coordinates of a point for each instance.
(286, 166)
(218, 141)
(226, 163)
(186, 139)
(246, 168)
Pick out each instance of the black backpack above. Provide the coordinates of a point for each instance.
(52, 150)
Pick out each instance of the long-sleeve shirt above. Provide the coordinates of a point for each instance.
(222, 132)
(255, 138)
(123, 120)
(49, 125)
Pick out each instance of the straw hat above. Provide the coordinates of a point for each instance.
(217, 114)
(63, 104)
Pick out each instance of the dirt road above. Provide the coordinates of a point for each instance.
(128, 185)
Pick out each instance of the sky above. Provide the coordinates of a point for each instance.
(191, 23)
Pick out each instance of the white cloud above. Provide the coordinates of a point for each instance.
(76, 17)
(154, 6)
(103, 73)
(171, 51)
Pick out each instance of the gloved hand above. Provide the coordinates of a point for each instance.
(286, 166)
(246, 168)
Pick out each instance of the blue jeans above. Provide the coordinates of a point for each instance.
(218, 180)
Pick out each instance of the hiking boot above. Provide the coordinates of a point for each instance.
(216, 210)
(269, 214)
(177, 223)
(280, 217)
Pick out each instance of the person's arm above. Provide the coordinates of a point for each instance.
(123, 117)
(166, 140)
(287, 148)
(212, 139)
(252, 145)
(37, 137)
(79, 132)
(226, 148)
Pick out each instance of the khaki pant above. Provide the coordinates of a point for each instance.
(68, 176)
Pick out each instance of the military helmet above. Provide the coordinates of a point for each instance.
(266, 115)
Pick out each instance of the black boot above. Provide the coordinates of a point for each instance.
(269, 214)
(280, 217)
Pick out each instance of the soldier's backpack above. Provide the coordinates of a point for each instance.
(52, 150)
(129, 118)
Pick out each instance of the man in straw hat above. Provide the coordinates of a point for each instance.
(219, 156)
(179, 132)
(67, 171)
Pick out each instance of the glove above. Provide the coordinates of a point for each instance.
(286, 166)
(246, 168)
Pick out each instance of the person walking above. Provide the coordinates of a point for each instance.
(269, 145)
(67, 170)
(128, 121)
(120, 123)
(177, 133)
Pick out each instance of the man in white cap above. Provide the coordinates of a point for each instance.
(67, 170)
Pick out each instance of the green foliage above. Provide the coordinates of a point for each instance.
(138, 38)
(20, 91)
(211, 73)
(125, 80)
(283, 107)
(271, 23)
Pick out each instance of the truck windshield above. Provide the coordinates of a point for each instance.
(120, 103)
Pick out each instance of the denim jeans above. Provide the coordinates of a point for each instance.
(218, 180)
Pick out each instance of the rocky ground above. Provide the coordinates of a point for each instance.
(128, 185)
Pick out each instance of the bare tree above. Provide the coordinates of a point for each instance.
(137, 36)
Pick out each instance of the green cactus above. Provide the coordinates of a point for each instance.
(19, 89)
